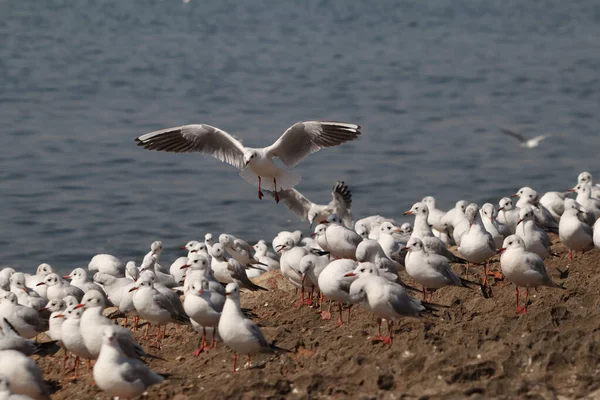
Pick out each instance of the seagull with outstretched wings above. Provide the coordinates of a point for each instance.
(527, 143)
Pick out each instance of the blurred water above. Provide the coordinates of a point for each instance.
(430, 82)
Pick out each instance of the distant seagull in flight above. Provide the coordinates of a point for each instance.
(526, 143)
(297, 142)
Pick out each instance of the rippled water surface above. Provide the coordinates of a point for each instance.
(430, 82)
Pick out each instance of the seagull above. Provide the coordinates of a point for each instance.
(508, 214)
(107, 263)
(488, 213)
(119, 375)
(58, 288)
(11, 340)
(79, 278)
(334, 284)
(71, 336)
(543, 217)
(26, 321)
(477, 246)
(369, 227)
(23, 374)
(523, 268)
(534, 238)
(586, 177)
(239, 250)
(584, 197)
(341, 241)
(305, 209)
(239, 333)
(525, 143)
(387, 300)
(430, 270)
(574, 233)
(261, 253)
(201, 310)
(32, 280)
(296, 143)
(155, 307)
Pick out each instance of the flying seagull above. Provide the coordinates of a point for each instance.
(340, 204)
(297, 142)
(527, 143)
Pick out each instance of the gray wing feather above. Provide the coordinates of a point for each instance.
(513, 134)
(296, 202)
(196, 138)
(238, 273)
(305, 138)
(342, 202)
(257, 333)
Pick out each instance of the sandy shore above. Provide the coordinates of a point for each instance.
(476, 348)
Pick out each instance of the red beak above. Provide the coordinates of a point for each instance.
(501, 208)
(397, 230)
(58, 315)
(247, 162)
(515, 195)
(43, 309)
(25, 290)
(408, 212)
(40, 284)
(519, 221)
(185, 266)
(501, 250)
(200, 291)
(571, 190)
(67, 277)
(183, 247)
(350, 274)
(313, 234)
(133, 288)
(78, 306)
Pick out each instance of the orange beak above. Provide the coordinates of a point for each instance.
(571, 190)
(58, 315)
(67, 277)
(350, 274)
(408, 212)
(515, 195)
(78, 306)
(133, 288)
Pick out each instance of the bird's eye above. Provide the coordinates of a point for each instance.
(509, 243)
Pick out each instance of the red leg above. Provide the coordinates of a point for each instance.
(430, 295)
(260, 193)
(214, 343)
(388, 339)
(467, 270)
(299, 303)
(202, 343)
(234, 360)
(276, 193)
(249, 361)
(146, 332)
(378, 338)
(74, 377)
(89, 365)
(424, 294)
(340, 322)
(136, 320)
(125, 323)
(66, 356)
(571, 255)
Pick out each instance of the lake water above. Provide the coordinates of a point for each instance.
(430, 82)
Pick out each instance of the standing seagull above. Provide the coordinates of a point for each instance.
(526, 143)
(341, 201)
(297, 142)
(239, 333)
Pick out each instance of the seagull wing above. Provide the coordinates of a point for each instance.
(342, 202)
(305, 138)
(514, 134)
(296, 202)
(538, 139)
(196, 138)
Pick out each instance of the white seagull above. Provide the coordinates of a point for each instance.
(523, 268)
(297, 142)
(526, 143)
(119, 375)
(239, 333)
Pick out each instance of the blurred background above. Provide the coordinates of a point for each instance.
(430, 82)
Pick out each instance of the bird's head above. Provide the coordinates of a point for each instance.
(250, 156)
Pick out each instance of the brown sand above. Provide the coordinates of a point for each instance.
(476, 348)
